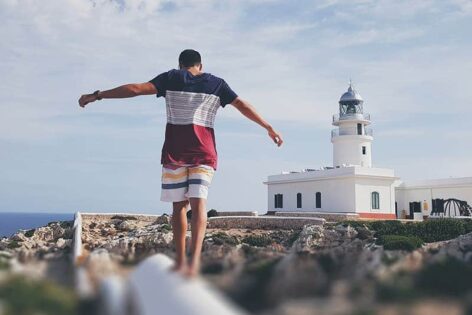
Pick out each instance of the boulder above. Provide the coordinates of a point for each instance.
(163, 219)
(61, 243)
(126, 226)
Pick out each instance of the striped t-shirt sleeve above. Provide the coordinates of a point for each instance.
(226, 94)
(161, 83)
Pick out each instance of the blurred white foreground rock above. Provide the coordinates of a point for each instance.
(152, 289)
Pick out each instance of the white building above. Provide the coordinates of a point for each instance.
(353, 186)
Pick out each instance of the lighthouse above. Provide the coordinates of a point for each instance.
(352, 187)
(352, 140)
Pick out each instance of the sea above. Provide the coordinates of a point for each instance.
(10, 222)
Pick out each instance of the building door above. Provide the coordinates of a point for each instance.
(415, 206)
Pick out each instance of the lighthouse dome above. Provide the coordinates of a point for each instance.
(351, 95)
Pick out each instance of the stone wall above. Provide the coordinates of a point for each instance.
(263, 222)
(332, 217)
(237, 213)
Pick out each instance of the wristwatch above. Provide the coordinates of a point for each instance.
(96, 95)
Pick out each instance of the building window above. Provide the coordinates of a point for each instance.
(375, 200)
(359, 129)
(318, 200)
(299, 200)
(364, 150)
(279, 201)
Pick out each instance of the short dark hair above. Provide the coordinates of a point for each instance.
(189, 58)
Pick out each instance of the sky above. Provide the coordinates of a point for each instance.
(410, 60)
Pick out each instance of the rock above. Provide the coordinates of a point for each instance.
(364, 233)
(126, 226)
(19, 237)
(346, 231)
(44, 234)
(109, 231)
(4, 243)
(309, 238)
(296, 276)
(163, 219)
(25, 255)
(57, 231)
(465, 242)
(100, 264)
(61, 243)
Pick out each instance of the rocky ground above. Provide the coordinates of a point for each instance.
(331, 269)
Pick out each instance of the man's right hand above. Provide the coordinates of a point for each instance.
(86, 98)
(276, 137)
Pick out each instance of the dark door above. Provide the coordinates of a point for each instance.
(412, 210)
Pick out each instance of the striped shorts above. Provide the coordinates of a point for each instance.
(180, 183)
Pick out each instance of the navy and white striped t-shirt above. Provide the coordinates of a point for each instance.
(191, 103)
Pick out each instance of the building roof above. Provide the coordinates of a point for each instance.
(442, 182)
(351, 95)
(342, 172)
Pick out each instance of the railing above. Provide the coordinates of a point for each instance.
(351, 132)
(363, 116)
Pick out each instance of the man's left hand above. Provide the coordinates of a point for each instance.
(86, 98)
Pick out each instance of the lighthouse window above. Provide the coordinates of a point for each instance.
(364, 150)
(278, 201)
(359, 129)
(299, 200)
(318, 200)
(375, 200)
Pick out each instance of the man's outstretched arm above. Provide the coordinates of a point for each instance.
(250, 112)
(124, 91)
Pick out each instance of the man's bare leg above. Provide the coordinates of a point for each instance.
(199, 220)
(179, 229)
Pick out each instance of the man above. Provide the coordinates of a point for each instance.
(189, 156)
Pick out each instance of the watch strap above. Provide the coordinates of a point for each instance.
(96, 95)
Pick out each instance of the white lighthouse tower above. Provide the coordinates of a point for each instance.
(352, 141)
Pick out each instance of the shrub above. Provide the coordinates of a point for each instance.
(221, 238)
(392, 227)
(468, 225)
(67, 224)
(30, 233)
(438, 229)
(356, 224)
(166, 227)
(124, 217)
(13, 245)
(399, 242)
(4, 262)
(258, 240)
(293, 238)
(213, 268)
(212, 213)
(432, 230)
(21, 296)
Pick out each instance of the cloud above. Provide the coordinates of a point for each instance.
(299, 61)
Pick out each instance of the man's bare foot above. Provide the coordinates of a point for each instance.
(192, 271)
(179, 268)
